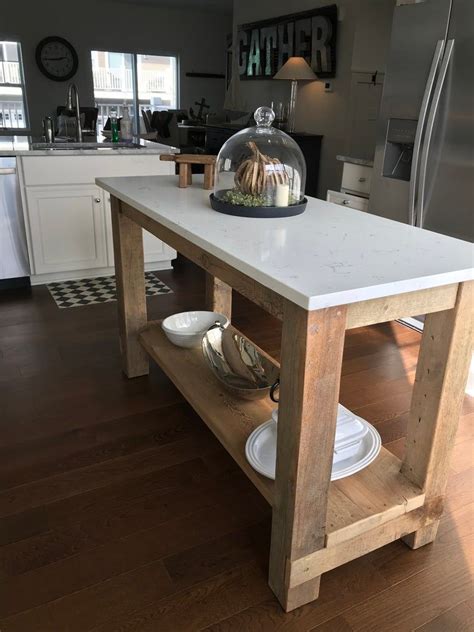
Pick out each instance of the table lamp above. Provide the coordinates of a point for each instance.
(295, 69)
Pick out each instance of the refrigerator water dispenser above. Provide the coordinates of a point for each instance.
(399, 148)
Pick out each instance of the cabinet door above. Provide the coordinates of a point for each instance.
(154, 250)
(67, 225)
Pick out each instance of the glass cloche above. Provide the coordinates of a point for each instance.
(260, 172)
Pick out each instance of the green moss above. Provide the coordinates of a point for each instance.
(243, 199)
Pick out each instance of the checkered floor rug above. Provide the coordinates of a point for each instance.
(100, 290)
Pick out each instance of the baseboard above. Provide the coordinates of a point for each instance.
(52, 277)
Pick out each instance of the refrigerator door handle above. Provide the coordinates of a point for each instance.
(419, 131)
(429, 129)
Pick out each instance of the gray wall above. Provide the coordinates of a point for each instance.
(363, 37)
(197, 37)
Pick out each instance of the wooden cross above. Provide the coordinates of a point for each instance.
(202, 104)
(185, 169)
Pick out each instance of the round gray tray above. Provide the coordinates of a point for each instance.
(257, 211)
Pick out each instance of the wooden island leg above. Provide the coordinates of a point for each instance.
(438, 393)
(218, 296)
(131, 297)
(311, 359)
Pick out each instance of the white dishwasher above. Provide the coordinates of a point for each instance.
(14, 266)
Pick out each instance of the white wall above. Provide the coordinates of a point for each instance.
(197, 37)
(363, 35)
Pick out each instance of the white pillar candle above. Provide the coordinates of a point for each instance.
(282, 194)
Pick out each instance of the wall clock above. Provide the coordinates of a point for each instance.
(56, 58)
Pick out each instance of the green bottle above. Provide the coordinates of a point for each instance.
(114, 125)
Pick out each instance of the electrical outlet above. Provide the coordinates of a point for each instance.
(327, 86)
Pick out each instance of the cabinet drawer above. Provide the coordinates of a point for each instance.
(344, 199)
(60, 170)
(356, 178)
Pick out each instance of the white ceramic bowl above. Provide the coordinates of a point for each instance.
(187, 328)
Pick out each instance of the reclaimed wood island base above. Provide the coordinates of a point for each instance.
(317, 524)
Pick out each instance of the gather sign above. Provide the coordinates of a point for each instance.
(263, 47)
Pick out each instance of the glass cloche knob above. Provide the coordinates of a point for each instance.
(264, 116)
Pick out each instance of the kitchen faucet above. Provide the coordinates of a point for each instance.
(69, 106)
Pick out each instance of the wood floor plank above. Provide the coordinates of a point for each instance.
(459, 618)
(416, 600)
(338, 624)
(67, 484)
(84, 446)
(219, 555)
(455, 536)
(199, 606)
(93, 565)
(82, 610)
(345, 586)
(166, 502)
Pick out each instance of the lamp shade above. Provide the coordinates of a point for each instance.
(296, 69)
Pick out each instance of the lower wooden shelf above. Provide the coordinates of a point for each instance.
(361, 502)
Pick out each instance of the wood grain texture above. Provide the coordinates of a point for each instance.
(185, 175)
(441, 376)
(208, 177)
(185, 170)
(312, 347)
(381, 310)
(218, 296)
(229, 418)
(196, 159)
(326, 559)
(242, 283)
(130, 287)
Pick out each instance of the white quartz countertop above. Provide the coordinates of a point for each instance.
(24, 146)
(330, 255)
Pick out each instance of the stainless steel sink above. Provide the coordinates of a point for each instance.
(86, 145)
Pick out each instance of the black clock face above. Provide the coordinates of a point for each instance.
(56, 58)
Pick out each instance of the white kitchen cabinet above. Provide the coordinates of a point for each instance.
(67, 228)
(68, 218)
(356, 179)
(154, 250)
(355, 185)
(351, 201)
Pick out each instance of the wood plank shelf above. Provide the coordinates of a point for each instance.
(231, 419)
(357, 504)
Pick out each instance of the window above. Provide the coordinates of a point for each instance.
(13, 112)
(139, 81)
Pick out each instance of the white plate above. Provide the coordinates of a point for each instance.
(350, 429)
(260, 451)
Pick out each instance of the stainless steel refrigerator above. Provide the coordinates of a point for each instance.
(424, 158)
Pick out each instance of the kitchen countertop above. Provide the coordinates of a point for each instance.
(22, 146)
(356, 161)
(325, 257)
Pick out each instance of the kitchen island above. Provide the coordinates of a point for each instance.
(66, 216)
(321, 273)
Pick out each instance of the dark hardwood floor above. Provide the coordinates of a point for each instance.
(120, 511)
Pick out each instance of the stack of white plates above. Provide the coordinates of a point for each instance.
(356, 445)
